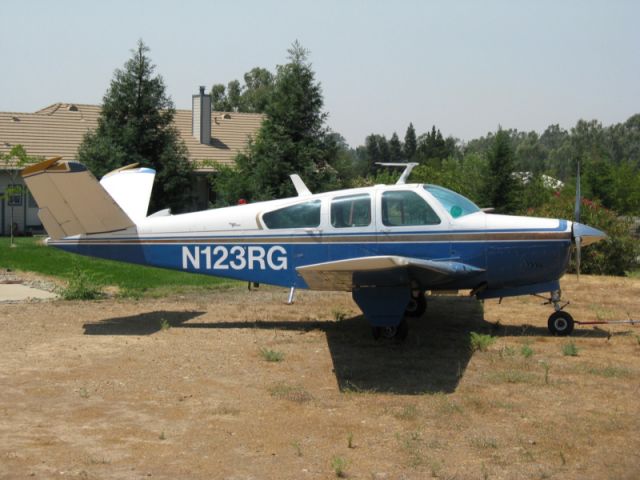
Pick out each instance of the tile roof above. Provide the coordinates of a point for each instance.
(58, 130)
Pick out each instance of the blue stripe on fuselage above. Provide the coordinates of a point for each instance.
(507, 263)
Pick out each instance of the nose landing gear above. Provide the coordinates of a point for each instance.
(560, 323)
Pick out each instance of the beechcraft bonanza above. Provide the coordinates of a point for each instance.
(387, 244)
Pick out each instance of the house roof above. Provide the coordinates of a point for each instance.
(58, 130)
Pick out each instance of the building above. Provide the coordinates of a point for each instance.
(58, 130)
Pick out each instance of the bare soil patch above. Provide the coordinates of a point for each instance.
(237, 385)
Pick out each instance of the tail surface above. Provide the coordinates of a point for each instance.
(131, 188)
(72, 201)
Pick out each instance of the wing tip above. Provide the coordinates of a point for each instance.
(39, 167)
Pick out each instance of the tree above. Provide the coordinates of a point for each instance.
(136, 126)
(252, 97)
(292, 139)
(410, 142)
(501, 188)
(11, 164)
(377, 148)
(432, 146)
(395, 148)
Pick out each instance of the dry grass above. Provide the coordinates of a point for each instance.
(98, 390)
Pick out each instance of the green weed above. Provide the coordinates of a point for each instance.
(162, 436)
(81, 286)
(480, 341)
(411, 444)
(164, 324)
(526, 351)
(512, 376)
(610, 372)
(293, 393)
(339, 315)
(297, 447)
(350, 440)
(484, 442)
(339, 466)
(570, 349)
(271, 355)
(507, 351)
(407, 412)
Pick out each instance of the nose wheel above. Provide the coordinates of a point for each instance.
(561, 323)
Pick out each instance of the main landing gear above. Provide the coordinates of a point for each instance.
(386, 307)
(560, 323)
(398, 332)
(417, 305)
(415, 308)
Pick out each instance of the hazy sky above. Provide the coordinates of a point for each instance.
(465, 66)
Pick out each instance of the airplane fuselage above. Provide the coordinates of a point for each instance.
(514, 255)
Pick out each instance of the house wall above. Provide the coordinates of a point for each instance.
(25, 213)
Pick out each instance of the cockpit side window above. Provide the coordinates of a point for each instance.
(351, 211)
(454, 203)
(403, 208)
(301, 215)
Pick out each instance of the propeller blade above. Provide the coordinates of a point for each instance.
(578, 255)
(576, 212)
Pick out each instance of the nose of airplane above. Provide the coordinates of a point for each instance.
(587, 234)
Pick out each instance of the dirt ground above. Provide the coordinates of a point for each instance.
(181, 388)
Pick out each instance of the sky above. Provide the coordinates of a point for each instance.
(466, 67)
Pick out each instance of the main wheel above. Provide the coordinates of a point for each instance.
(396, 332)
(417, 305)
(561, 323)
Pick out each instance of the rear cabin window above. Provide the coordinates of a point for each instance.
(302, 215)
(402, 208)
(351, 211)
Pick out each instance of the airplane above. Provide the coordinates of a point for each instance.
(386, 244)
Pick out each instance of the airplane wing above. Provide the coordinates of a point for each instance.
(345, 274)
(71, 200)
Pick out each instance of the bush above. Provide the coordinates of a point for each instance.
(480, 341)
(616, 255)
(82, 286)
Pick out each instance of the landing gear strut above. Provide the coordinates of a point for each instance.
(417, 305)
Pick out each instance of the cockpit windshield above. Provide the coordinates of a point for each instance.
(454, 203)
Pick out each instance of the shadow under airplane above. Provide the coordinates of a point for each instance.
(432, 359)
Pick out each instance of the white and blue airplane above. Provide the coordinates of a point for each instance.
(387, 244)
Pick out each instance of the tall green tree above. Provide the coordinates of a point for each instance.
(501, 187)
(136, 126)
(410, 142)
(293, 138)
(252, 97)
(395, 148)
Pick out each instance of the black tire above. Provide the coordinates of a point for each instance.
(398, 332)
(417, 306)
(560, 323)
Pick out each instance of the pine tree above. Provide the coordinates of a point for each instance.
(395, 148)
(292, 139)
(136, 126)
(501, 188)
(410, 142)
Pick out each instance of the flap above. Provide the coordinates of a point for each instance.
(381, 269)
